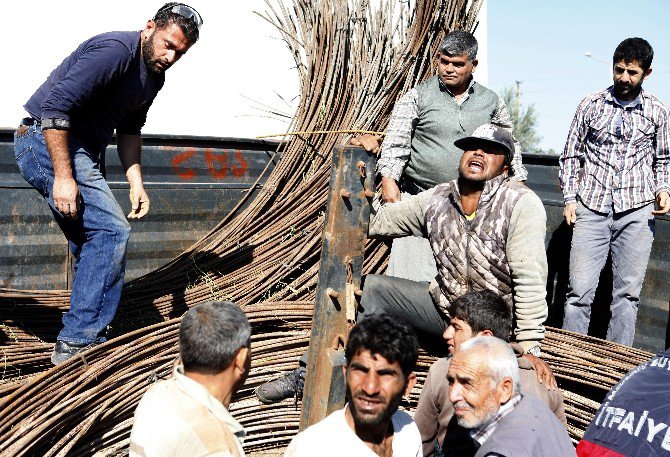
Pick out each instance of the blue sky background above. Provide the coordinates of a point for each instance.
(542, 43)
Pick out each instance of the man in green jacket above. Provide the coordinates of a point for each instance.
(418, 150)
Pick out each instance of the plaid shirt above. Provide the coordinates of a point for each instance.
(625, 153)
(483, 432)
(396, 147)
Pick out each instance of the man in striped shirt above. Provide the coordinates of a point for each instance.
(622, 133)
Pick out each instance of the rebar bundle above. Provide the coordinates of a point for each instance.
(354, 61)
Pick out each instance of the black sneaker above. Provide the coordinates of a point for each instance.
(64, 351)
(289, 385)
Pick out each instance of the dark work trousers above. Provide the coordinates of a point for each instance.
(409, 301)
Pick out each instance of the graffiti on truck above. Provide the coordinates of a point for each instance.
(220, 163)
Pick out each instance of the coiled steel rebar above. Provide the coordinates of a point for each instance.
(354, 60)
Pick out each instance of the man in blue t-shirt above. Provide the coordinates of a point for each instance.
(108, 83)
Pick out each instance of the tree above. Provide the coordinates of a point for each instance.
(524, 121)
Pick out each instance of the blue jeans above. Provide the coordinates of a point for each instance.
(629, 236)
(97, 238)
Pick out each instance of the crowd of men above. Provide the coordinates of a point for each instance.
(467, 276)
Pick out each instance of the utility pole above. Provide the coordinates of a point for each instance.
(518, 99)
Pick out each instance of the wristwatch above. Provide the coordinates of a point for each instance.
(55, 123)
(535, 350)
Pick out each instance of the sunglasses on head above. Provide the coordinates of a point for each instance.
(184, 11)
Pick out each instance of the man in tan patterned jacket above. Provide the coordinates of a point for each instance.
(486, 232)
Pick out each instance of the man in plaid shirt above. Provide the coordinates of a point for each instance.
(622, 134)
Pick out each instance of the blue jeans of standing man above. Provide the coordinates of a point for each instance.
(629, 236)
(97, 238)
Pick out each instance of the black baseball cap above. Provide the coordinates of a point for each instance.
(488, 134)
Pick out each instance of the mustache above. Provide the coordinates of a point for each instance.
(462, 404)
(373, 398)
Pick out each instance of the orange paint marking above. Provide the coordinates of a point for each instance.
(183, 173)
(242, 168)
(212, 160)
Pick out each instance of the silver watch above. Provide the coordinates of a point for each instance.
(535, 350)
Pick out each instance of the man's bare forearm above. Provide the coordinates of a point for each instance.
(130, 155)
(65, 192)
(56, 141)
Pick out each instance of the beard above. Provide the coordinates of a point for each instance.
(384, 416)
(149, 55)
(476, 183)
(627, 91)
(481, 179)
(477, 417)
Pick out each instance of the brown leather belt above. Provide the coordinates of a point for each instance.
(23, 128)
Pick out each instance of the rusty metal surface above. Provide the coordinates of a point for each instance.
(653, 325)
(344, 236)
(193, 183)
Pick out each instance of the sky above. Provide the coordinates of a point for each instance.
(542, 44)
(239, 66)
(219, 88)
